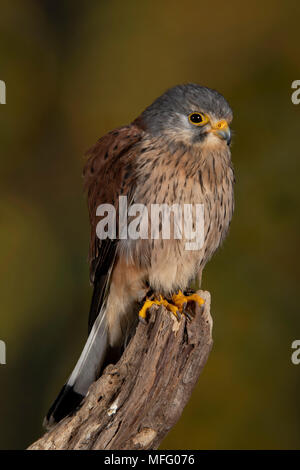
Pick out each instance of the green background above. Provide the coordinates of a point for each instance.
(75, 70)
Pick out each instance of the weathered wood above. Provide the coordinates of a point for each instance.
(136, 402)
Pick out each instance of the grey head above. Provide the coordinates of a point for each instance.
(189, 113)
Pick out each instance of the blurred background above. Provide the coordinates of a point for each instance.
(73, 71)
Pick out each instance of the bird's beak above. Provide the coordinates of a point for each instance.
(222, 130)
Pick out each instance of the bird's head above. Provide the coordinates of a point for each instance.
(190, 114)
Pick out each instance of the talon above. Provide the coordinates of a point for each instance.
(161, 301)
(182, 301)
(170, 307)
(143, 312)
(196, 298)
(188, 315)
(142, 320)
(173, 309)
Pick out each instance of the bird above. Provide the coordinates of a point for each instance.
(177, 151)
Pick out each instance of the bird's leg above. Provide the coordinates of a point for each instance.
(160, 301)
(178, 306)
(181, 301)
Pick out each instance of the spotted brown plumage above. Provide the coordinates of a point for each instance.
(176, 152)
(105, 173)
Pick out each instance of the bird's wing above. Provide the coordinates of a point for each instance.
(107, 175)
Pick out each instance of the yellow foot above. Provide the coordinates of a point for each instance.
(161, 301)
(181, 300)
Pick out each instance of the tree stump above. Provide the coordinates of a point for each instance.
(136, 402)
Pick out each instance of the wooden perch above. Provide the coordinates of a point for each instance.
(136, 402)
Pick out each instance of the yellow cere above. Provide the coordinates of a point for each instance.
(221, 124)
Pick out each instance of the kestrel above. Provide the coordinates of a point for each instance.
(176, 152)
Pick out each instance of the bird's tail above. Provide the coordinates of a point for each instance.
(85, 372)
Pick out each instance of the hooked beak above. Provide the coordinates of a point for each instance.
(222, 130)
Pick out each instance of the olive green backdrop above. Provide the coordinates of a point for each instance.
(75, 70)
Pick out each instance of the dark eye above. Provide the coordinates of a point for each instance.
(198, 119)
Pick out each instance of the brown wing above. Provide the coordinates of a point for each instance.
(108, 173)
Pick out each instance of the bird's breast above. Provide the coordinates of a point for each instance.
(207, 189)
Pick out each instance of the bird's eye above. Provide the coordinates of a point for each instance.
(198, 119)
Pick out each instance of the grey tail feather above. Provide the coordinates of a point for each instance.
(85, 372)
(95, 355)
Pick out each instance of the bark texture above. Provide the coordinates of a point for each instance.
(136, 402)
